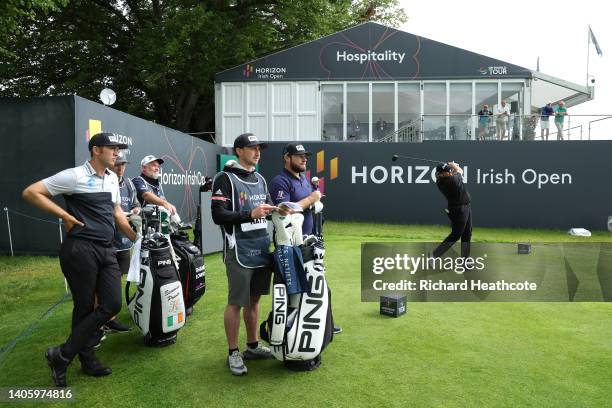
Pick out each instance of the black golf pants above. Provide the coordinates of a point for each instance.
(91, 269)
(461, 228)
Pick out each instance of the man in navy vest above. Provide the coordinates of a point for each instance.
(240, 204)
(131, 208)
(148, 187)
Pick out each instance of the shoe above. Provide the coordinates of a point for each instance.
(95, 368)
(337, 329)
(58, 365)
(235, 363)
(258, 353)
(189, 311)
(115, 326)
(101, 338)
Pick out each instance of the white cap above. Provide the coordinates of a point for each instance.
(150, 158)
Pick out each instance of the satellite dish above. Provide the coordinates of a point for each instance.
(108, 96)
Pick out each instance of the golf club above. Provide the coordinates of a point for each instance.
(397, 156)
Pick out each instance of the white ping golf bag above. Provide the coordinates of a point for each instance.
(157, 307)
(300, 325)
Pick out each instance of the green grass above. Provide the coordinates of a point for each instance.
(438, 354)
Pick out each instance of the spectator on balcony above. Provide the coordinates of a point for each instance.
(354, 128)
(484, 120)
(501, 122)
(545, 113)
(381, 126)
(560, 114)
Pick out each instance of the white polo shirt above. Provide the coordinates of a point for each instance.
(89, 198)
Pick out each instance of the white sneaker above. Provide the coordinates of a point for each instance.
(235, 363)
(261, 352)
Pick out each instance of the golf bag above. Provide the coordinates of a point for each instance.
(157, 307)
(192, 270)
(300, 325)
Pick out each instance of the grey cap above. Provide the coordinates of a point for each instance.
(121, 158)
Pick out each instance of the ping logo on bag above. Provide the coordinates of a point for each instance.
(163, 262)
(280, 304)
(312, 319)
(140, 305)
(138, 298)
(278, 314)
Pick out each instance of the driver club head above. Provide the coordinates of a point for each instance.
(394, 158)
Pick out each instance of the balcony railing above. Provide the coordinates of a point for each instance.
(494, 127)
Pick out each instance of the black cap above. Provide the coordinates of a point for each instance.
(443, 167)
(106, 139)
(248, 140)
(295, 148)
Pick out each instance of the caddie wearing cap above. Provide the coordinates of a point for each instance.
(122, 244)
(449, 179)
(240, 204)
(148, 188)
(87, 257)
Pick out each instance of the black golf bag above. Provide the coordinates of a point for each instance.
(157, 307)
(192, 270)
(300, 326)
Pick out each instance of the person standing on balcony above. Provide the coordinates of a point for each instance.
(484, 119)
(560, 114)
(501, 122)
(381, 127)
(545, 114)
(355, 128)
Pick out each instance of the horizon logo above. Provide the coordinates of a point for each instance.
(248, 70)
(94, 126)
(320, 168)
(397, 174)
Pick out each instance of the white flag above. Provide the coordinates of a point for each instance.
(594, 41)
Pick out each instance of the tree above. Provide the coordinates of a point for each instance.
(161, 56)
(14, 12)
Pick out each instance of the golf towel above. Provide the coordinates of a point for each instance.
(290, 266)
(134, 271)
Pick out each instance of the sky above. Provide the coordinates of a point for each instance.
(519, 32)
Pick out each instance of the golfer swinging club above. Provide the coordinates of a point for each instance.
(449, 179)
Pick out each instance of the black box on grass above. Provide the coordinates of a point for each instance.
(393, 305)
(524, 249)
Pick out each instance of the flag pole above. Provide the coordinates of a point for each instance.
(588, 53)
